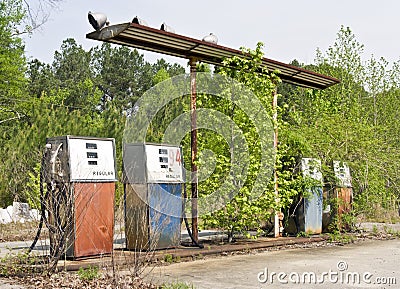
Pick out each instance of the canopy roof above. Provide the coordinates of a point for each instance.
(151, 39)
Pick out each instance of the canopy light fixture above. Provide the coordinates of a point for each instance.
(139, 21)
(211, 38)
(165, 27)
(97, 20)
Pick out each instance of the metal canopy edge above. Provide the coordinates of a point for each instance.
(151, 39)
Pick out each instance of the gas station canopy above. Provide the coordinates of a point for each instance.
(151, 39)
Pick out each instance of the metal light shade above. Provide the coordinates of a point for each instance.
(211, 38)
(165, 27)
(97, 20)
(139, 21)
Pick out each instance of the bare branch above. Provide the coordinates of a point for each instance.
(38, 13)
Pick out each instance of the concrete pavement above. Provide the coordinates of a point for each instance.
(379, 260)
(275, 269)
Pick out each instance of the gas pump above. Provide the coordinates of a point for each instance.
(343, 191)
(312, 207)
(78, 203)
(153, 183)
(343, 188)
(307, 213)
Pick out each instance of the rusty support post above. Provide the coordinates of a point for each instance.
(193, 144)
(277, 217)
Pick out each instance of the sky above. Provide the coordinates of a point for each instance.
(290, 29)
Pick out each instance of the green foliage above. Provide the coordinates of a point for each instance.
(18, 264)
(337, 237)
(391, 231)
(71, 65)
(88, 274)
(354, 121)
(243, 213)
(12, 59)
(33, 187)
(47, 117)
(91, 92)
(168, 258)
(84, 93)
(303, 234)
(12, 67)
(41, 78)
(348, 221)
(121, 74)
(343, 222)
(12, 79)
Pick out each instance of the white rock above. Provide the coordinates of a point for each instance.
(5, 217)
(9, 212)
(20, 211)
(35, 215)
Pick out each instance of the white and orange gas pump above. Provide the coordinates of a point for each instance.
(78, 205)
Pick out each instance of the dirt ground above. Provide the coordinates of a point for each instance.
(19, 231)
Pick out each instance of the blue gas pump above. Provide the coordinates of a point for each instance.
(153, 184)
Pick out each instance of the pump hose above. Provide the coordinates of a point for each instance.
(197, 244)
(42, 206)
(58, 227)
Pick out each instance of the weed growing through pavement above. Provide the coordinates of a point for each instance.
(88, 274)
(18, 264)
